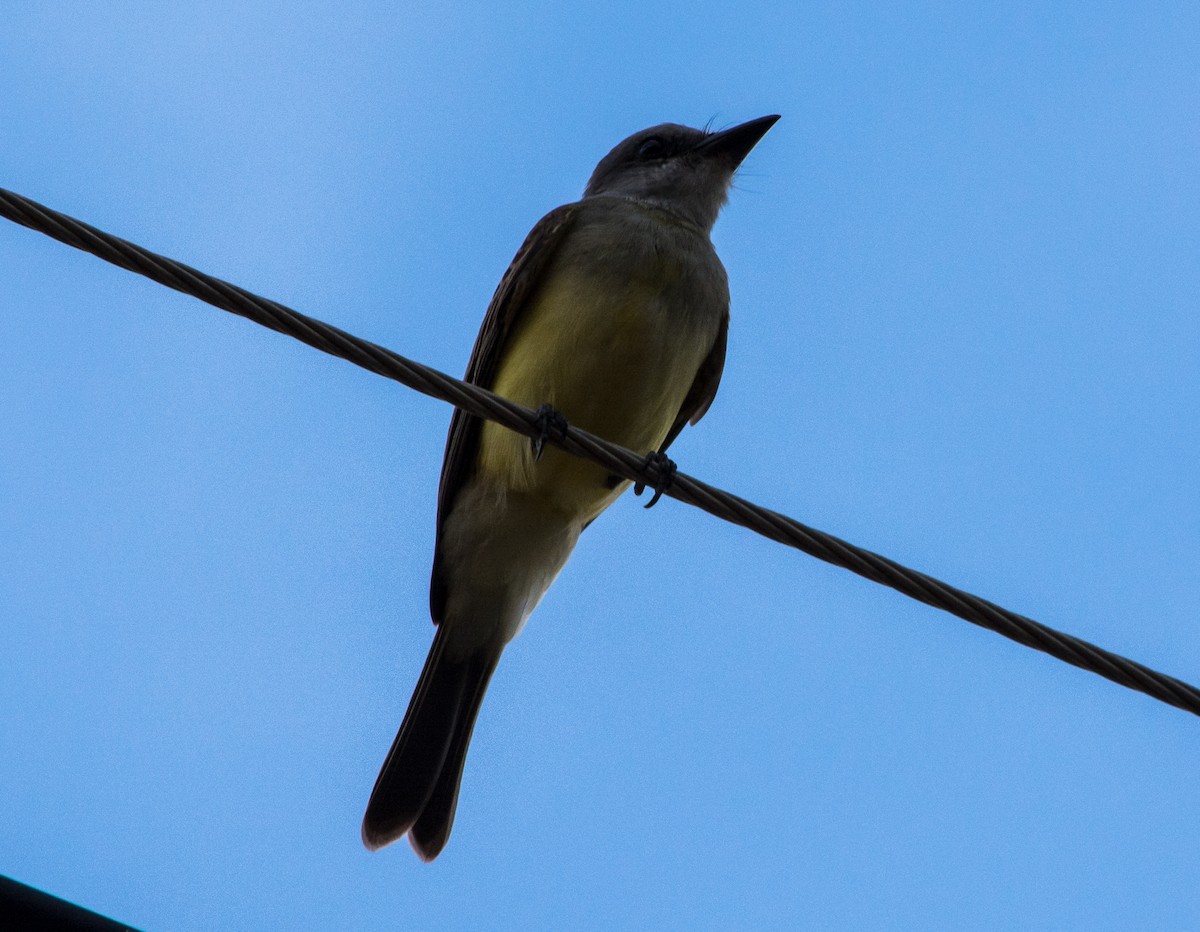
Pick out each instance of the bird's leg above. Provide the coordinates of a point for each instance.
(549, 424)
(665, 470)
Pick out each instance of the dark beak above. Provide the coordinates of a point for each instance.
(735, 143)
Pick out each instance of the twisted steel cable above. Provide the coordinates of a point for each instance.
(623, 462)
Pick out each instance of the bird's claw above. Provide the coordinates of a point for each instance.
(549, 424)
(665, 474)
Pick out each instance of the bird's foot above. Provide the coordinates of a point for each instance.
(549, 424)
(664, 475)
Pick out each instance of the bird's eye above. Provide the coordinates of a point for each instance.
(652, 148)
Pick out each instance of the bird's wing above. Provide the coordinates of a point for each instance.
(704, 389)
(512, 297)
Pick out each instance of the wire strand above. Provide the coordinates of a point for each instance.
(483, 403)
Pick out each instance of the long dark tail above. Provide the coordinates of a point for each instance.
(417, 789)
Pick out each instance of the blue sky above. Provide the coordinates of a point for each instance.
(965, 270)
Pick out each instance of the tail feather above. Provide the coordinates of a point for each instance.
(429, 834)
(425, 763)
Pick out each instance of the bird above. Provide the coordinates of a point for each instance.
(613, 317)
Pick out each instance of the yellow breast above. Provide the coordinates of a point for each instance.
(615, 358)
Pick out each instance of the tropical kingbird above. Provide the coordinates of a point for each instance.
(614, 315)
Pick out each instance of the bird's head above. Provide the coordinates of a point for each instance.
(682, 169)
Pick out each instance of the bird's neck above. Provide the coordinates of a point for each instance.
(665, 209)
